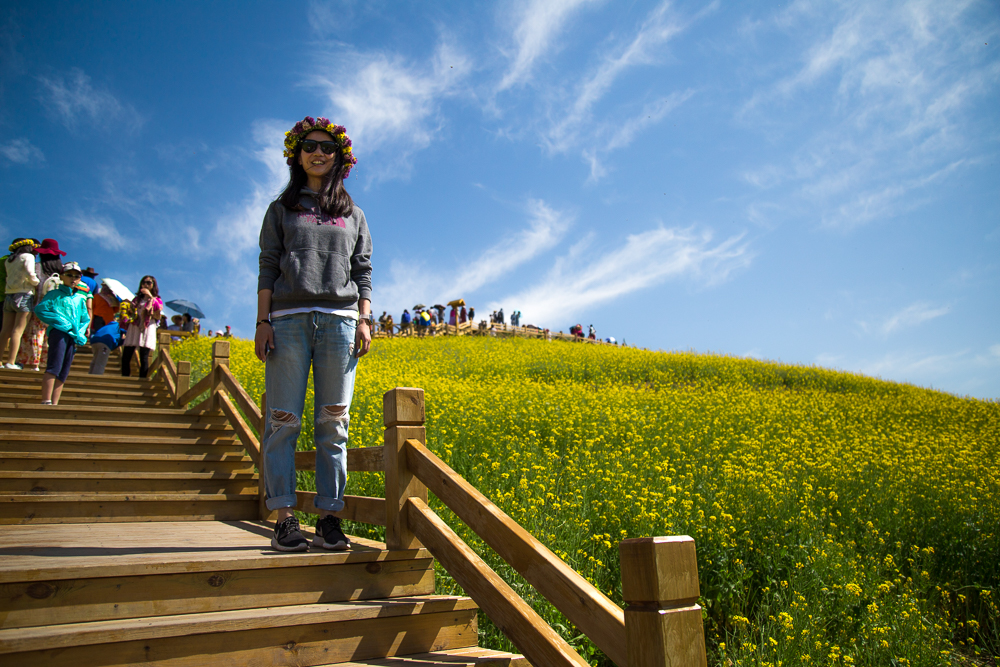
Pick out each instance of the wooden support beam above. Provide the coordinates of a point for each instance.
(403, 416)
(242, 429)
(586, 607)
(197, 390)
(356, 508)
(532, 636)
(183, 378)
(359, 459)
(663, 623)
(220, 357)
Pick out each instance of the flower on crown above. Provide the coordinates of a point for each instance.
(22, 243)
(309, 124)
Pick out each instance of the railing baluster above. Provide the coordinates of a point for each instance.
(663, 623)
(403, 416)
(183, 378)
(220, 357)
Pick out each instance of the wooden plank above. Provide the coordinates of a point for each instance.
(241, 484)
(303, 643)
(403, 406)
(41, 466)
(149, 476)
(240, 396)
(359, 459)
(532, 636)
(463, 657)
(585, 606)
(403, 416)
(200, 387)
(48, 552)
(214, 450)
(238, 508)
(14, 640)
(243, 431)
(356, 508)
(28, 604)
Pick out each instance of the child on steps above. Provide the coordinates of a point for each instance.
(64, 310)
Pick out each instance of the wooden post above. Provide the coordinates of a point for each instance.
(265, 514)
(220, 357)
(403, 416)
(183, 378)
(660, 587)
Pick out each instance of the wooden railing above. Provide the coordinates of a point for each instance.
(661, 624)
(474, 329)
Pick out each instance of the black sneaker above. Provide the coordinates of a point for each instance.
(330, 536)
(288, 537)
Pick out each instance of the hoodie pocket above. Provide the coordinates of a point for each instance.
(308, 272)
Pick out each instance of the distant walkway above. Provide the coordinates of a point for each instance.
(478, 329)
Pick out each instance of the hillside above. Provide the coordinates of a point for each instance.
(836, 516)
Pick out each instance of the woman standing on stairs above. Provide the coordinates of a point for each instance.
(313, 309)
(141, 334)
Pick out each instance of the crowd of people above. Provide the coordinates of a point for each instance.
(51, 306)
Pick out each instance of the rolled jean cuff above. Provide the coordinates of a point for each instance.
(282, 501)
(328, 504)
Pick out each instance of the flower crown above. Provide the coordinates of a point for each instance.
(22, 243)
(308, 124)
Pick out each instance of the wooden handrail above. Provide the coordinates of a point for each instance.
(356, 508)
(197, 390)
(239, 394)
(586, 607)
(539, 643)
(246, 436)
(359, 459)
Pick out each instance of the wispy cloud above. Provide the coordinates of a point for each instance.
(890, 87)
(580, 280)
(408, 284)
(97, 228)
(912, 316)
(538, 23)
(71, 99)
(238, 230)
(390, 105)
(22, 151)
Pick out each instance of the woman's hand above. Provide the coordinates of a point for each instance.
(145, 292)
(263, 341)
(362, 338)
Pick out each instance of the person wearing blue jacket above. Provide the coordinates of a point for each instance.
(64, 310)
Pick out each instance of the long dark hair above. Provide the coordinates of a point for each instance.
(155, 291)
(51, 264)
(333, 197)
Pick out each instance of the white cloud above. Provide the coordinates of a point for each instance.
(912, 316)
(72, 98)
(98, 228)
(579, 281)
(891, 88)
(409, 284)
(539, 21)
(22, 151)
(238, 231)
(389, 105)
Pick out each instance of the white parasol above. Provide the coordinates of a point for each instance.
(120, 291)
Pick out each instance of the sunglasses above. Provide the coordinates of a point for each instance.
(328, 147)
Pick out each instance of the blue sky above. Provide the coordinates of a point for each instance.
(815, 182)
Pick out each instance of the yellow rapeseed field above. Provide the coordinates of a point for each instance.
(839, 519)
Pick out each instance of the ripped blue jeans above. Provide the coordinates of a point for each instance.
(326, 342)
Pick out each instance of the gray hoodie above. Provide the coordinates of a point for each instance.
(311, 260)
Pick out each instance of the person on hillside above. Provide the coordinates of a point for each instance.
(453, 317)
(388, 325)
(313, 309)
(404, 323)
(472, 314)
(141, 333)
(19, 296)
(463, 316)
(64, 311)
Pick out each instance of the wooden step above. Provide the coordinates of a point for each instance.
(299, 635)
(14, 426)
(125, 462)
(61, 482)
(82, 572)
(108, 379)
(463, 657)
(122, 414)
(125, 507)
(221, 438)
(45, 443)
(74, 398)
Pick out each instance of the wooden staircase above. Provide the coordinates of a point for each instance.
(128, 535)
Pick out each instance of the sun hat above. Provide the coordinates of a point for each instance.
(90, 272)
(51, 247)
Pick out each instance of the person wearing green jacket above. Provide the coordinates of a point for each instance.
(64, 310)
